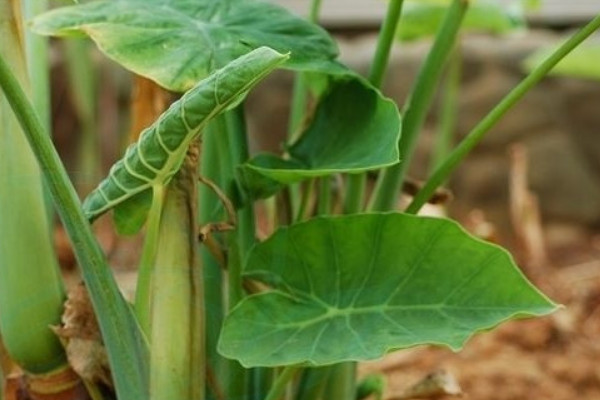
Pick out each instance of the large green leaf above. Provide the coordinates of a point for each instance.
(354, 129)
(159, 152)
(177, 43)
(355, 287)
(583, 62)
(423, 17)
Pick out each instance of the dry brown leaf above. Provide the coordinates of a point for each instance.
(81, 336)
(433, 386)
(525, 211)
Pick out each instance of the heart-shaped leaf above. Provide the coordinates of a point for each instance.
(159, 152)
(177, 43)
(355, 287)
(354, 129)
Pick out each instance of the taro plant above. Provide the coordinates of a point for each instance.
(218, 313)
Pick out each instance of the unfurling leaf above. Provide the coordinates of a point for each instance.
(159, 152)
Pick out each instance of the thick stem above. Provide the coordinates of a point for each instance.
(475, 136)
(31, 289)
(388, 185)
(127, 350)
(176, 328)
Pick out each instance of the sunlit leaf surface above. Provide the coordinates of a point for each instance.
(177, 43)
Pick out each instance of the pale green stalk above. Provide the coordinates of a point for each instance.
(478, 132)
(176, 350)
(152, 243)
(31, 290)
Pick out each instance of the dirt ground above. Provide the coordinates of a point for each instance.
(550, 358)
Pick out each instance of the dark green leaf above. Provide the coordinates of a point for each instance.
(355, 287)
(159, 152)
(177, 43)
(354, 129)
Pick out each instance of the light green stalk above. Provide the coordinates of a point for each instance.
(177, 341)
(474, 137)
(31, 290)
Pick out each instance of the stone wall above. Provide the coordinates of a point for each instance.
(558, 122)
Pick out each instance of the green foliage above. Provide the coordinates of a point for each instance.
(355, 287)
(156, 157)
(423, 18)
(177, 43)
(325, 291)
(354, 129)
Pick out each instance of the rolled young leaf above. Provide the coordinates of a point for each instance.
(159, 152)
(353, 288)
(177, 43)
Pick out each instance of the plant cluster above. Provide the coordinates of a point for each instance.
(219, 314)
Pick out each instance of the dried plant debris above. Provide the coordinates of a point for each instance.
(433, 386)
(81, 337)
